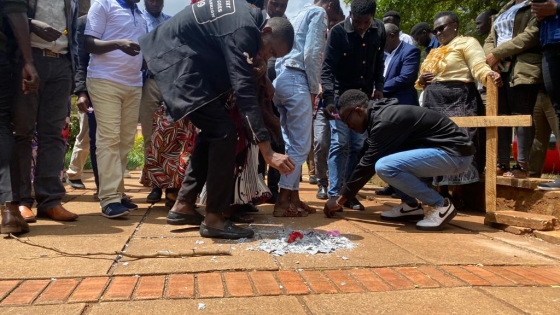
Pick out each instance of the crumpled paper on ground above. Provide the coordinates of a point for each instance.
(312, 243)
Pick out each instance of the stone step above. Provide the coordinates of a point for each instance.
(526, 183)
(549, 236)
(539, 222)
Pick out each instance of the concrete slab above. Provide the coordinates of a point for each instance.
(472, 222)
(317, 221)
(529, 243)
(70, 309)
(234, 306)
(241, 258)
(85, 226)
(441, 301)
(366, 254)
(28, 262)
(464, 248)
(530, 300)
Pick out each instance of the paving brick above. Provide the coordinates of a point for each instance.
(510, 275)
(370, 280)
(120, 288)
(210, 285)
(417, 277)
(318, 282)
(265, 283)
(491, 277)
(444, 279)
(534, 221)
(57, 291)
(26, 292)
(525, 272)
(238, 284)
(180, 286)
(466, 276)
(89, 290)
(150, 287)
(7, 287)
(292, 282)
(551, 273)
(343, 281)
(394, 279)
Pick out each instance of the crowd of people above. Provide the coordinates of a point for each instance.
(230, 93)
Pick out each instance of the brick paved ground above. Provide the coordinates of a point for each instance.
(395, 268)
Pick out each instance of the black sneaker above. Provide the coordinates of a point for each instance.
(128, 204)
(114, 210)
(550, 186)
(313, 180)
(230, 231)
(354, 204)
(76, 183)
(322, 193)
(154, 195)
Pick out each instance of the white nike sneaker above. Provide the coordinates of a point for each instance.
(403, 212)
(436, 220)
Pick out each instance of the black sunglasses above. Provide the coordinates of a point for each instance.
(440, 28)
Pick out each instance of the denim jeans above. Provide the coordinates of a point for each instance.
(7, 88)
(321, 144)
(293, 100)
(44, 112)
(341, 138)
(404, 170)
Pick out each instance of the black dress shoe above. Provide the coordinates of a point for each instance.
(387, 191)
(322, 193)
(230, 231)
(154, 195)
(354, 204)
(76, 183)
(313, 180)
(176, 218)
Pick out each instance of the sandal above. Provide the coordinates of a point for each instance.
(517, 171)
(501, 169)
(291, 212)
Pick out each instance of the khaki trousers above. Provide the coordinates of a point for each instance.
(151, 100)
(80, 151)
(116, 108)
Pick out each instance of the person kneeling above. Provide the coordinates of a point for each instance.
(404, 144)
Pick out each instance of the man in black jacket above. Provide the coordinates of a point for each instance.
(353, 60)
(404, 144)
(197, 57)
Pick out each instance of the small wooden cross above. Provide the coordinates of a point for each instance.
(491, 122)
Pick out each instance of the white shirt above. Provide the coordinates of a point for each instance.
(406, 38)
(111, 20)
(388, 58)
(52, 13)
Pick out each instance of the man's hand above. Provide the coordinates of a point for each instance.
(30, 79)
(45, 31)
(330, 112)
(331, 207)
(377, 95)
(544, 9)
(281, 162)
(491, 60)
(83, 102)
(426, 78)
(129, 47)
(495, 76)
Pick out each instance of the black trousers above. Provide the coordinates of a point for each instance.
(7, 88)
(213, 159)
(551, 74)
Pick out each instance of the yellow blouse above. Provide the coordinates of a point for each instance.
(463, 59)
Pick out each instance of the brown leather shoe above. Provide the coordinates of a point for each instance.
(27, 214)
(58, 213)
(10, 223)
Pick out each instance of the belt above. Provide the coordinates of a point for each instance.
(47, 53)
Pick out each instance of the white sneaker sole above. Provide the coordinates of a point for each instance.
(116, 215)
(548, 188)
(442, 224)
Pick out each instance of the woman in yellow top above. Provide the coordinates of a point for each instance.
(448, 76)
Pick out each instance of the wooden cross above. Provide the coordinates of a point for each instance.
(491, 122)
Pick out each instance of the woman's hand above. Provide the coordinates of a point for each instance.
(426, 78)
(495, 76)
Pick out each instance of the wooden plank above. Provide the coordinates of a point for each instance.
(491, 147)
(495, 121)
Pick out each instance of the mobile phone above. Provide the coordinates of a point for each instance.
(506, 65)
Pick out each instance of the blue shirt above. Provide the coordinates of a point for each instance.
(152, 21)
(433, 44)
(550, 28)
(310, 27)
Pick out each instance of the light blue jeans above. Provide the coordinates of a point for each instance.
(404, 171)
(293, 100)
(341, 138)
